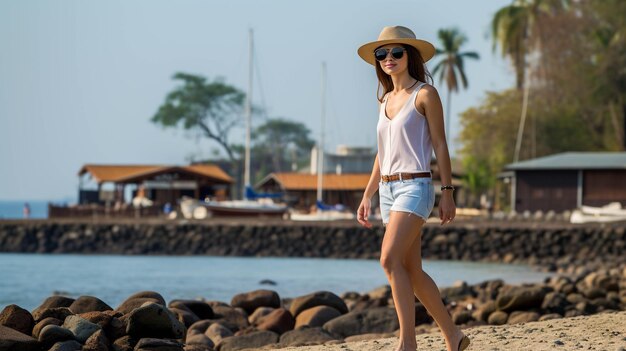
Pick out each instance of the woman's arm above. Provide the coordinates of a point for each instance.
(372, 185)
(431, 103)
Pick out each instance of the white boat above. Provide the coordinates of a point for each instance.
(253, 204)
(323, 211)
(328, 215)
(612, 212)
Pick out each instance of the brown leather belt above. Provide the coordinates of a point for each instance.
(398, 176)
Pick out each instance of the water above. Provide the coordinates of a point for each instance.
(27, 279)
(14, 209)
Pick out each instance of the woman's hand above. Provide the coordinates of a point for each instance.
(364, 212)
(447, 208)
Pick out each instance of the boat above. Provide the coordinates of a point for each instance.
(612, 212)
(323, 212)
(253, 204)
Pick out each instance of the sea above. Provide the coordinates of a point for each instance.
(27, 279)
(15, 209)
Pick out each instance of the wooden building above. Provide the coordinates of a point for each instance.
(301, 188)
(565, 181)
(347, 189)
(160, 184)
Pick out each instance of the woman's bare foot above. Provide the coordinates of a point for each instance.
(453, 344)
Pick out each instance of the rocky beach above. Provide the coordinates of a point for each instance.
(588, 291)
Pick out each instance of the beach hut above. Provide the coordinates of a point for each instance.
(565, 181)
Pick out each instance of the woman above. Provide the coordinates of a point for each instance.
(410, 126)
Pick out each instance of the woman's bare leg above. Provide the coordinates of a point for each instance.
(427, 292)
(401, 231)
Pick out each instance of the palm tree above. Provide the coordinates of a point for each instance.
(517, 30)
(451, 65)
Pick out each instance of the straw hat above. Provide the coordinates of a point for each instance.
(396, 35)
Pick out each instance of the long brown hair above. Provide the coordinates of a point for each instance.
(417, 70)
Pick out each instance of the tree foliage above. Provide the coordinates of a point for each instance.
(577, 99)
(212, 108)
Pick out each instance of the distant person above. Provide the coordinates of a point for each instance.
(26, 210)
(410, 126)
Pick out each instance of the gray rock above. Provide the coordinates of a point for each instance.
(258, 314)
(130, 304)
(154, 320)
(59, 313)
(375, 320)
(554, 302)
(199, 339)
(382, 292)
(325, 298)
(125, 343)
(498, 318)
(217, 332)
(148, 294)
(278, 321)
(200, 308)
(199, 327)
(80, 327)
(250, 301)
(184, 316)
(305, 336)
(255, 339)
(522, 317)
(97, 342)
(88, 304)
(457, 292)
(52, 302)
(462, 317)
(13, 316)
(230, 317)
(43, 323)
(482, 313)
(520, 298)
(12, 340)
(52, 334)
(316, 316)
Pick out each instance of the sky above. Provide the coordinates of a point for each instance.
(80, 80)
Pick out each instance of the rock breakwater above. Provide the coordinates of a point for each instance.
(559, 248)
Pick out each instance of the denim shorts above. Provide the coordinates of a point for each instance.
(416, 196)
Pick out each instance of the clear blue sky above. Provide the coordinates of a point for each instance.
(80, 80)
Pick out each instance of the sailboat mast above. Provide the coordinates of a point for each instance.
(248, 112)
(320, 149)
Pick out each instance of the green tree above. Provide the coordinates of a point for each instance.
(485, 139)
(451, 66)
(211, 108)
(517, 30)
(283, 140)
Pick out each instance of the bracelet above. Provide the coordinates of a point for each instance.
(444, 187)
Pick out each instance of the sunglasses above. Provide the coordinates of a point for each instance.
(396, 53)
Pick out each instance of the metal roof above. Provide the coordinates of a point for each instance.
(125, 173)
(304, 181)
(573, 160)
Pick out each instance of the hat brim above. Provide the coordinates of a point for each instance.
(426, 49)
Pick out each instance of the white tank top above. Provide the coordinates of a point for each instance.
(404, 141)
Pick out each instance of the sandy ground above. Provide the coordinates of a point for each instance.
(604, 331)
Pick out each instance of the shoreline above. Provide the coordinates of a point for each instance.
(491, 311)
(590, 262)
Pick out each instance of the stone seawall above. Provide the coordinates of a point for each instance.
(552, 246)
